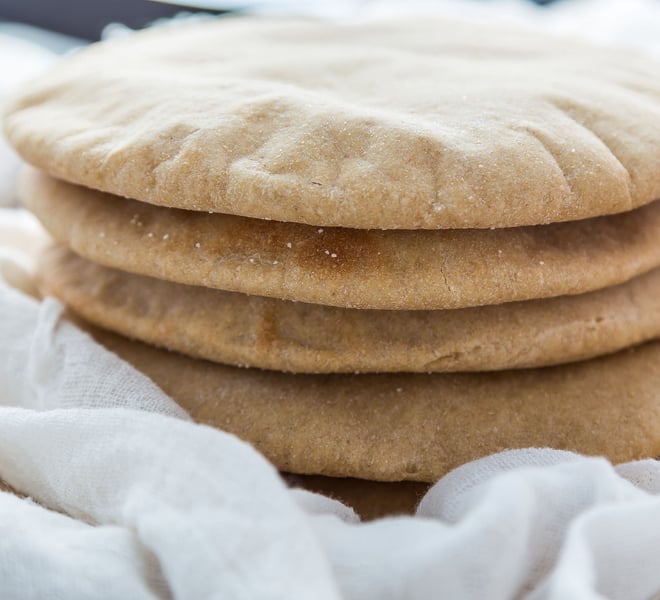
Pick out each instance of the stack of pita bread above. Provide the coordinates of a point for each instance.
(373, 251)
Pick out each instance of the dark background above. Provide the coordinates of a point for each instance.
(85, 18)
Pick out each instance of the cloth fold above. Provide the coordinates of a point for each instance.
(101, 440)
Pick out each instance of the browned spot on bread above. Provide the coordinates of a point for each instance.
(266, 331)
(338, 250)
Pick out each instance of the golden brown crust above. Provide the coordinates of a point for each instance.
(291, 336)
(394, 427)
(348, 267)
(437, 125)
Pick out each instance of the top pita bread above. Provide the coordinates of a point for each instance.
(405, 125)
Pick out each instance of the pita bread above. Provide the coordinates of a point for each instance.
(369, 499)
(291, 336)
(394, 427)
(390, 270)
(404, 125)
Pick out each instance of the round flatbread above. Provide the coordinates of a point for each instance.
(274, 334)
(392, 270)
(393, 427)
(369, 499)
(407, 124)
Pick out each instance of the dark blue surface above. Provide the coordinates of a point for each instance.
(84, 18)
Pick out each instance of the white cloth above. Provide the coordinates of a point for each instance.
(19, 60)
